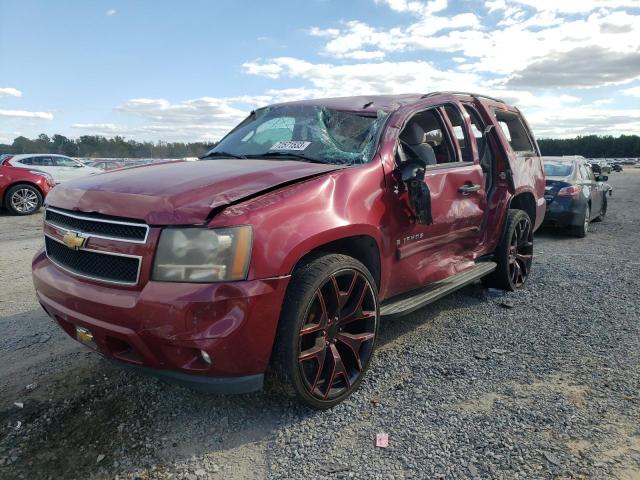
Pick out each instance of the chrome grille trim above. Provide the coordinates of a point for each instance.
(89, 277)
(96, 220)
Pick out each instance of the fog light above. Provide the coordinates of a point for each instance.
(205, 356)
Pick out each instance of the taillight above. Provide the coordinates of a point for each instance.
(571, 191)
(5, 162)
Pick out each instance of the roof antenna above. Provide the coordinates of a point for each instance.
(367, 105)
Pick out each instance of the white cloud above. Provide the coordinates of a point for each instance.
(110, 12)
(367, 78)
(10, 92)
(26, 114)
(324, 32)
(572, 6)
(634, 91)
(416, 7)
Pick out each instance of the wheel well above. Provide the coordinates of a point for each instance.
(9, 187)
(525, 201)
(361, 247)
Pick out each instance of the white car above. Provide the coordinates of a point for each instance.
(61, 168)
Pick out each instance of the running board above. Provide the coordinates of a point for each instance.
(412, 301)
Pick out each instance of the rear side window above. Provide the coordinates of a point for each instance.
(64, 162)
(515, 131)
(43, 161)
(584, 173)
(27, 161)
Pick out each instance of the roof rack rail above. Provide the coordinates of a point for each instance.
(474, 95)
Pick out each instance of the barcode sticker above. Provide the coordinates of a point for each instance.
(298, 146)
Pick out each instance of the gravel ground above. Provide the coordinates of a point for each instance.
(541, 383)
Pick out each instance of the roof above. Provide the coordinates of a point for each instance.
(365, 103)
(373, 103)
(565, 159)
(39, 154)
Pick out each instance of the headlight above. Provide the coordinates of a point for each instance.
(42, 174)
(203, 255)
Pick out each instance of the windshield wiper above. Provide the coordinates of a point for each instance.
(222, 154)
(288, 155)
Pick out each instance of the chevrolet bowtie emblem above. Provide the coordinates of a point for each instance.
(74, 241)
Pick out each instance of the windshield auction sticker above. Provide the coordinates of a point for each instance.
(298, 146)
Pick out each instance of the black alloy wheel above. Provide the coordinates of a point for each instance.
(514, 254)
(328, 329)
(521, 252)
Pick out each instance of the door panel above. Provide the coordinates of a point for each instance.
(427, 253)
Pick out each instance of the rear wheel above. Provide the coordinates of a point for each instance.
(581, 230)
(514, 254)
(23, 199)
(327, 330)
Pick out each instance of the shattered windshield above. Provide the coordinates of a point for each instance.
(303, 132)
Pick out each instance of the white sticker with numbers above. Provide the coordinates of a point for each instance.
(298, 146)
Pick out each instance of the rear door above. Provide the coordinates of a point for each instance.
(427, 253)
(524, 159)
(45, 164)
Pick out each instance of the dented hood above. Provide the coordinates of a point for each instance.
(178, 193)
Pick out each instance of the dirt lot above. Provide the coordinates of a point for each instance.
(540, 383)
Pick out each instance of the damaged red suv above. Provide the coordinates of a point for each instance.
(286, 245)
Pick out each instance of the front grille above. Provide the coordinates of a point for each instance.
(97, 226)
(89, 263)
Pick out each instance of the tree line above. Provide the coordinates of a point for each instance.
(96, 146)
(592, 146)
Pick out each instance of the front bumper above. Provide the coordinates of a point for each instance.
(161, 328)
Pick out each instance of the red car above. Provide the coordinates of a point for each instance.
(282, 249)
(22, 191)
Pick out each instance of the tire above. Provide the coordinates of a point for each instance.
(23, 199)
(514, 254)
(603, 210)
(581, 231)
(321, 358)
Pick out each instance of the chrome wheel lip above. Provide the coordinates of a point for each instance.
(24, 200)
(338, 373)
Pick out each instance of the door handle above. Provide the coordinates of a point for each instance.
(468, 189)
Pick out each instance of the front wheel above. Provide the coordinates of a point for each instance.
(23, 199)
(327, 330)
(514, 254)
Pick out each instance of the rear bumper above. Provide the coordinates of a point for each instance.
(564, 212)
(161, 329)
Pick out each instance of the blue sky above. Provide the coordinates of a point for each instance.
(190, 70)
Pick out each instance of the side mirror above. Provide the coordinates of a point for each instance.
(601, 178)
(79, 165)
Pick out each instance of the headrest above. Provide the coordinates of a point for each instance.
(413, 133)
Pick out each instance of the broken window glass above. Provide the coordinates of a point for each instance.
(304, 132)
